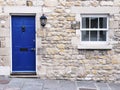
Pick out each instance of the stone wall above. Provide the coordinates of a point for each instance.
(57, 54)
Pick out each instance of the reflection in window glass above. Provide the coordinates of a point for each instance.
(96, 28)
(93, 35)
(103, 22)
(102, 35)
(85, 22)
(85, 35)
(94, 22)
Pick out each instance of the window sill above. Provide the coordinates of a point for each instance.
(95, 46)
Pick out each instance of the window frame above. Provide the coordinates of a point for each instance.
(94, 29)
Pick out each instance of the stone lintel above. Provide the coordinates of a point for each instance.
(95, 10)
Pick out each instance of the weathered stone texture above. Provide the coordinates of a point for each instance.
(57, 54)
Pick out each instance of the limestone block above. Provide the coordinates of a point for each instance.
(94, 3)
(4, 60)
(52, 50)
(115, 59)
(2, 38)
(51, 3)
(116, 2)
(99, 10)
(58, 57)
(77, 3)
(7, 42)
(68, 4)
(4, 33)
(4, 70)
(4, 51)
(70, 18)
(97, 67)
(38, 42)
(106, 3)
(2, 2)
(57, 38)
(114, 24)
(67, 10)
(75, 41)
(29, 3)
(60, 46)
(42, 71)
(59, 10)
(40, 2)
(62, 2)
(81, 72)
(102, 61)
(107, 67)
(0, 9)
(85, 3)
(39, 58)
(2, 44)
(40, 33)
(89, 77)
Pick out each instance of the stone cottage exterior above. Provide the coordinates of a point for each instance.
(81, 40)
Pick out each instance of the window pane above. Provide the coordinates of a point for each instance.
(85, 35)
(94, 22)
(103, 22)
(102, 35)
(93, 35)
(85, 22)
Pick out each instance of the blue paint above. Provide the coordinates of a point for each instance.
(23, 60)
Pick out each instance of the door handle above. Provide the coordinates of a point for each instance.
(33, 49)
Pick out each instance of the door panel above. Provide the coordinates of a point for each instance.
(23, 36)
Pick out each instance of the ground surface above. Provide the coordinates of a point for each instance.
(39, 84)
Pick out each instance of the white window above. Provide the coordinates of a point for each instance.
(94, 28)
(94, 31)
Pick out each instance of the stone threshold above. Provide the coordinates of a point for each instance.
(24, 75)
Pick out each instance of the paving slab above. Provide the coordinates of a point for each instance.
(114, 86)
(11, 88)
(67, 85)
(4, 80)
(102, 86)
(86, 84)
(31, 88)
(54, 84)
(39, 84)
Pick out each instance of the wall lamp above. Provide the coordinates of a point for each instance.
(43, 20)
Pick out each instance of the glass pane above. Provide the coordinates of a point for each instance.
(102, 35)
(94, 22)
(85, 22)
(85, 35)
(103, 22)
(93, 35)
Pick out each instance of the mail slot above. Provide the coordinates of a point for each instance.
(23, 49)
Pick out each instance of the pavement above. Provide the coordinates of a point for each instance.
(40, 84)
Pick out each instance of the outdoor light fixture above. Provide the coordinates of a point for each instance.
(43, 20)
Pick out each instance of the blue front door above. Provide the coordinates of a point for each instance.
(23, 44)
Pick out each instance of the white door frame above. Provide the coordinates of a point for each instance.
(22, 14)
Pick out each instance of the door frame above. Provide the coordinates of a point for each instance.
(22, 14)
